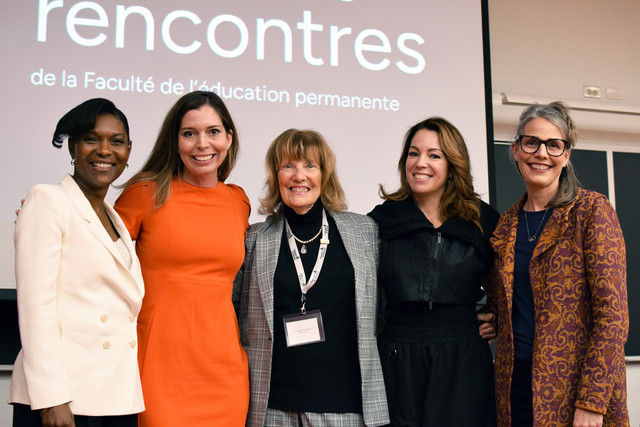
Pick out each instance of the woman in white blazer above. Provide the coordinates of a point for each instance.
(79, 286)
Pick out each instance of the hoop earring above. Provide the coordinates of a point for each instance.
(73, 162)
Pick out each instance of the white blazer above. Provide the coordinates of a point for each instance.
(78, 303)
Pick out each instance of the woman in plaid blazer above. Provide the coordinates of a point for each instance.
(311, 344)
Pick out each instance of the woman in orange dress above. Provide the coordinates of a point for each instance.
(189, 228)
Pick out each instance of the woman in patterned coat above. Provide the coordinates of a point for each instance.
(559, 289)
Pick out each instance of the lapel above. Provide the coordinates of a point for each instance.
(352, 238)
(504, 240)
(83, 207)
(267, 251)
(503, 243)
(135, 270)
(268, 248)
(555, 228)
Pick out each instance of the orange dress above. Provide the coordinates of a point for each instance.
(194, 371)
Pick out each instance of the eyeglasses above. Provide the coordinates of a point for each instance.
(530, 145)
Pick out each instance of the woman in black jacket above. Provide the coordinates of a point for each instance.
(434, 257)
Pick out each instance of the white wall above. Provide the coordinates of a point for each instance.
(552, 48)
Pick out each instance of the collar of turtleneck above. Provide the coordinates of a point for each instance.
(307, 225)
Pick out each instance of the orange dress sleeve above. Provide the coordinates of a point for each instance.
(134, 204)
(243, 203)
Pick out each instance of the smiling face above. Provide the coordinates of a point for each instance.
(540, 171)
(203, 143)
(426, 166)
(100, 154)
(300, 182)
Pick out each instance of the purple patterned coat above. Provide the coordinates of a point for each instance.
(579, 283)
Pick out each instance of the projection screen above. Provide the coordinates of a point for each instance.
(360, 72)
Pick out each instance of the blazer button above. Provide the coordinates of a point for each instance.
(132, 344)
(132, 318)
(106, 345)
(104, 318)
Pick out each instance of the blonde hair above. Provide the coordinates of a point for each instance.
(294, 144)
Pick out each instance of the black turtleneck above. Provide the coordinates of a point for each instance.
(321, 377)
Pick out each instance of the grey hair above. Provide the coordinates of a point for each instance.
(558, 114)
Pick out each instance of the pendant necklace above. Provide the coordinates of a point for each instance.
(303, 249)
(535, 235)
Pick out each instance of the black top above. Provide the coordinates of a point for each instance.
(321, 377)
(421, 265)
(523, 312)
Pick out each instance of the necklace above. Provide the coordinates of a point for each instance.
(303, 249)
(535, 235)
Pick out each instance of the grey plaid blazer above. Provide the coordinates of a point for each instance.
(253, 299)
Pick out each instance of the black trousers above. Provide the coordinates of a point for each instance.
(521, 394)
(24, 416)
(438, 376)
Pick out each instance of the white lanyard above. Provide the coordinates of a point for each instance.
(322, 252)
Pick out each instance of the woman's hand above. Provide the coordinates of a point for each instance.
(584, 418)
(57, 416)
(488, 326)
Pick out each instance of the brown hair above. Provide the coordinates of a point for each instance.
(164, 162)
(459, 198)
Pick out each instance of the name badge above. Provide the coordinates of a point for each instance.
(301, 329)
